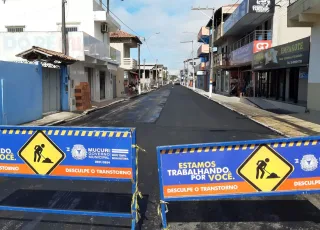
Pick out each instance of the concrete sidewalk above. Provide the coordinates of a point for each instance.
(62, 117)
(286, 125)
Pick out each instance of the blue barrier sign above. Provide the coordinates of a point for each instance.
(238, 169)
(107, 154)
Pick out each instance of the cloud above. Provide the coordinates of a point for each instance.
(169, 17)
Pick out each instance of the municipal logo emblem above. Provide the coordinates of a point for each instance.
(309, 163)
(79, 152)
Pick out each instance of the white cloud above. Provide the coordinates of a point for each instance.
(169, 17)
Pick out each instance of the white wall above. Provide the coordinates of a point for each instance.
(45, 15)
(283, 34)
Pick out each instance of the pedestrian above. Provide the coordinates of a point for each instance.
(214, 84)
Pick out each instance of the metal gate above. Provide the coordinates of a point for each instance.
(50, 89)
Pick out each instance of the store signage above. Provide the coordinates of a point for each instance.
(261, 45)
(201, 73)
(285, 56)
(242, 55)
(261, 6)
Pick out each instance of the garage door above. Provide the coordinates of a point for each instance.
(51, 89)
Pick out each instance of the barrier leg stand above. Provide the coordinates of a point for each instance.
(134, 207)
(164, 211)
(135, 190)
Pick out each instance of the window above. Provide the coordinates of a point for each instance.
(15, 29)
(71, 29)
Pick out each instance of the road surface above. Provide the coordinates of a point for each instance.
(171, 115)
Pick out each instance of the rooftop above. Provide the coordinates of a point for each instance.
(42, 54)
(122, 34)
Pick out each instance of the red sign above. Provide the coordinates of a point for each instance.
(261, 45)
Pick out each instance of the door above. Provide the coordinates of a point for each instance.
(102, 85)
(50, 90)
(89, 72)
(114, 81)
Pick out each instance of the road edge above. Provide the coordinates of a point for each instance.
(242, 114)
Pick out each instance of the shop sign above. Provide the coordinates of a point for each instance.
(201, 73)
(242, 55)
(261, 6)
(261, 45)
(285, 56)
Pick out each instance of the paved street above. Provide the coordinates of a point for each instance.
(171, 115)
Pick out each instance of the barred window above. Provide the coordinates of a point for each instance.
(15, 29)
(71, 29)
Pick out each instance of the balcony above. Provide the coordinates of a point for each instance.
(203, 35)
(221, 60)
(218, 33)
(303, 13)
(203, 50)
(129, 64)
(257, 37)
(100, 14)
(115, 55)
(247, 16)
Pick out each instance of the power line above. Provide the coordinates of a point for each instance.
(121, 20)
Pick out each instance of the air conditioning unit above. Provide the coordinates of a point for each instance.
(104, 28)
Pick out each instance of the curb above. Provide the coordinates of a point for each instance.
(242, 114)
(93, 110)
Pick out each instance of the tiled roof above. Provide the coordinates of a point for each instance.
(50, 55)
(123, 34)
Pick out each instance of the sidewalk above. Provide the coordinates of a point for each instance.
(287, 125)
(62, 117)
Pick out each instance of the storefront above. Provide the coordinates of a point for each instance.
(281, 73)
(236, 78)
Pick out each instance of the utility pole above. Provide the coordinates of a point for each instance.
(144, 72)
(211, 48)
(157, 73)
(139, 83)
(63, 28)
(194, 80)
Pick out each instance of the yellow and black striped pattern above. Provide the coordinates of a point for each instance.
(76, 133)
(238, 147)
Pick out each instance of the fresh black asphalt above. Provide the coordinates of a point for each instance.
(169, 116)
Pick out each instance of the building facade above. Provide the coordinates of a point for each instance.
(306, 13)
(23, 26)
(241, 36)
(126, 73)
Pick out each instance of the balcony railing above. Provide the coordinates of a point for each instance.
(129, 63)
(221, 59)
(203, 49)
(218, 32)
(254, 36)
(203, 35)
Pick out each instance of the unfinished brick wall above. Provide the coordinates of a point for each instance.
(83, 98)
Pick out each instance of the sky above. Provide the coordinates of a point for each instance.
(169, 17)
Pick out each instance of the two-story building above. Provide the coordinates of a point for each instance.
(306, 13)
(88, 25)
(203, 69)
(254, 26)
(124, 42)
(189, 70)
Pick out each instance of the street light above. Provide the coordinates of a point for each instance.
(193, 83)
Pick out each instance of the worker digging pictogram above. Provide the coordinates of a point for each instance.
(261, 170)
(265, 169)
(41, 154)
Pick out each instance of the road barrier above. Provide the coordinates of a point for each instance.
(237, 169)
(105, 154)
